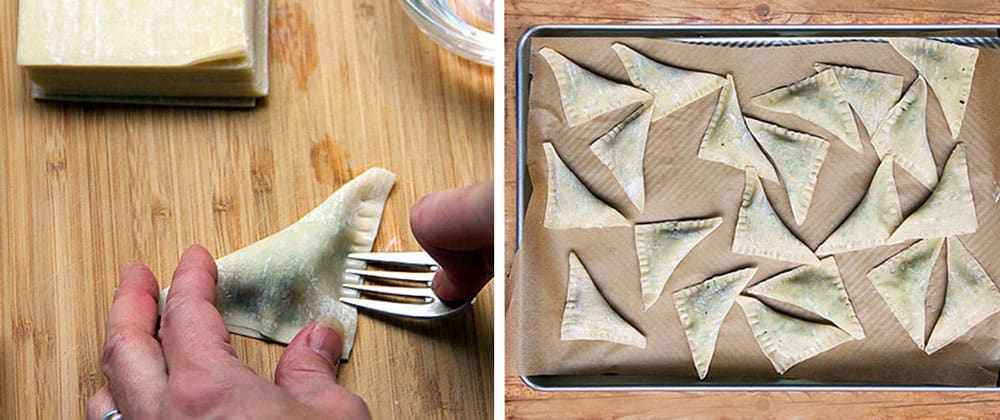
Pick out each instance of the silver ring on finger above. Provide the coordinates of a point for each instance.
(112, 415)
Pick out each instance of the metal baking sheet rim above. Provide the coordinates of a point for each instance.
(693, 33)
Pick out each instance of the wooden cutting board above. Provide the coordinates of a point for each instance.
(86, 189)
(522, 402)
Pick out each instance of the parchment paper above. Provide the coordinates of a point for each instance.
(680, 186)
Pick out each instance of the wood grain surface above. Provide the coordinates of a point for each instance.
(522, 402)
(86, 189)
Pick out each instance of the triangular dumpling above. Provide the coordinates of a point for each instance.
(274, 287)
(870, 93)
(760, 232)
(949, 211)
(785, 340)
(727, 139)
(588, 316)
(623, 151)
(903, 135)
(586, 95)
(662, 246)
(817, 289)
(873, 220)
(570, 204)
(948, 68)
(797, 157)
(673, 88)
(703, 307)
(902, 282)
(970, 298)
(818, 99)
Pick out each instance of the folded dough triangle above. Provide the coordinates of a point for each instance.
(948, 68)
(785, 340)
(570, 204)
(703, 307)
(727, 139)
(818, 99)
(870, 93)
(817, 289)
(623, 151)
(873, 220)
(662, 246)
(903, 135)
(274, 287)
(902, 282)
(760, 232)
(588, 316)
(586, 95)
(673, 88)
(949, 211)
(970, 298)
(797, 157)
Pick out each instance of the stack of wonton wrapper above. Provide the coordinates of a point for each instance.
(681, 186)
(178, 52)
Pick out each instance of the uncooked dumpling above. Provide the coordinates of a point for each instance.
(797, 157)
(785, 340)
(623, 151)
(673, 88)
(948, 68)
(817, 289)
(586, 95)
(873, 220)
(949, 211)
(870, 93)
(570, 204)
(662, 246)
(727, 139)
(818, 99)
(902, 282)
(760, 232)
(970, 298)
(703, 307)
(903, 135)
(273, 288)
(588, 316)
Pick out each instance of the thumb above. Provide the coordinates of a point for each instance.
(308, 371)
(311, 360)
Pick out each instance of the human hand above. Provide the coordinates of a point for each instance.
(188, 369)
(456, 228)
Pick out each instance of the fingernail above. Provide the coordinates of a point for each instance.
(443, 288)
(326, 340)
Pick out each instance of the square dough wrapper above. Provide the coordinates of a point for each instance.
(948, 68)
(818, 99)
(274, 287)
(569, 203)
(760, 232)
(589, 316)
(788, 341)
(728, 141)
(949, 211)
(970, 298)
(902, 281)
(703, 307)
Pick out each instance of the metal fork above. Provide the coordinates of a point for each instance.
(420, 271)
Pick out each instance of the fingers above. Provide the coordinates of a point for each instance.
(100, 404)
(132, 358)
(308, 371)
(311, 359)
(193, 335)
(456, 228)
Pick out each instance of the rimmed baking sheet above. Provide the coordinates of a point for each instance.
(728, 36)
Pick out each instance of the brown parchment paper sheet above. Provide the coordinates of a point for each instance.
(680, 186)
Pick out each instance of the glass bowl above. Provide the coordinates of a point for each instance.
(464, 27)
